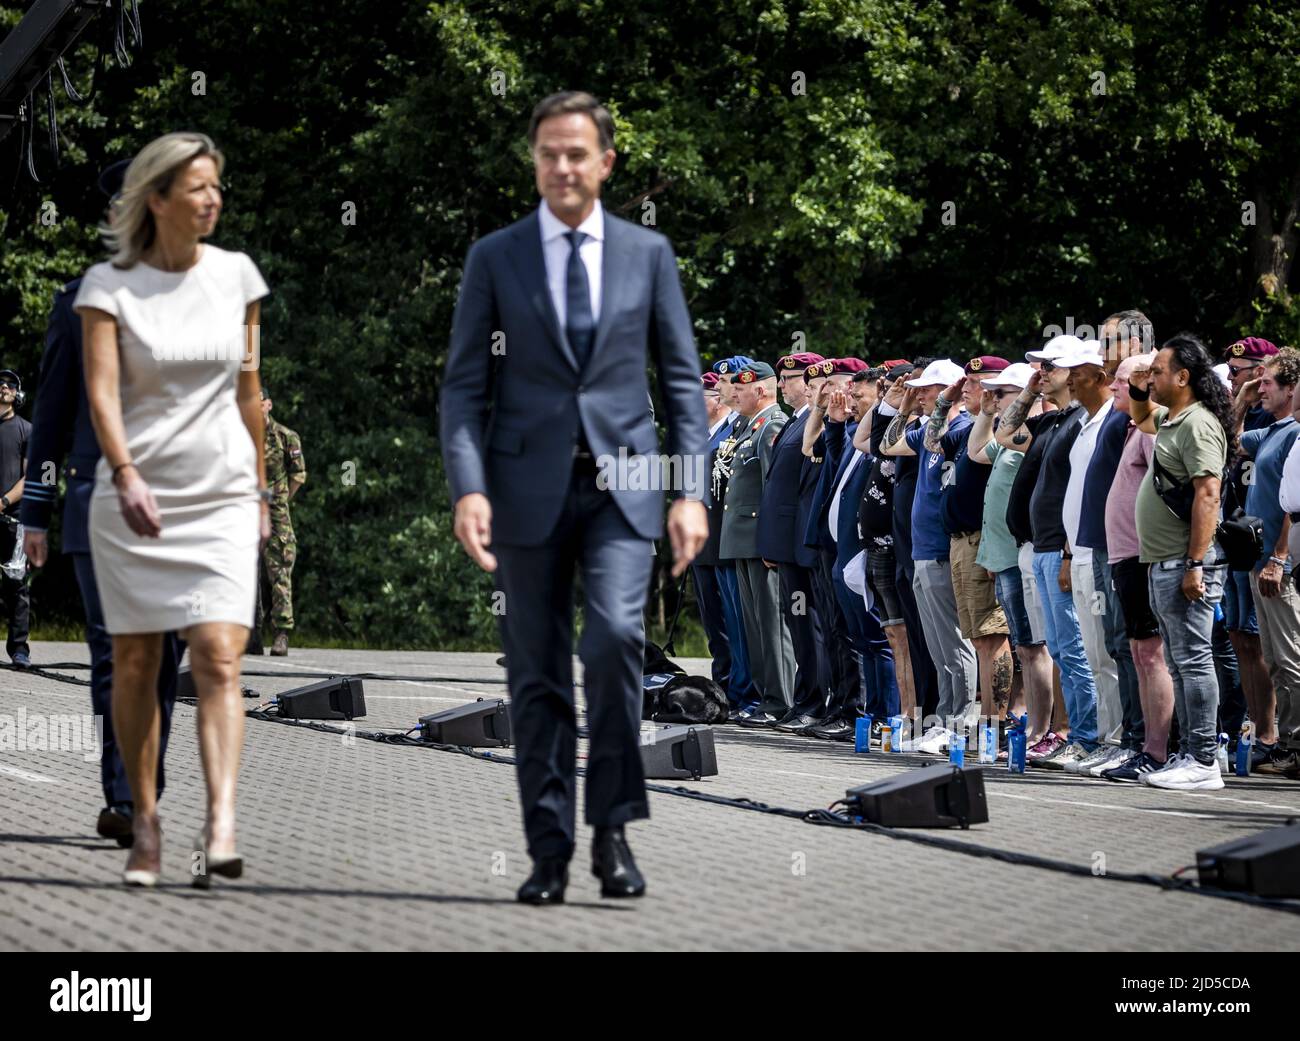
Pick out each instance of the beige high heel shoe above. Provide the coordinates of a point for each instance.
(203, 865)
(142, 878)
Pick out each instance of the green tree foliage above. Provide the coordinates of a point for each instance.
(881, 177)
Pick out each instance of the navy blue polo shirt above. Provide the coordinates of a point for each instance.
(1097, 481)
(929, 537)
(1268, 446)
(963, 499)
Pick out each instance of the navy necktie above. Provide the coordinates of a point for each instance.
(579, 325)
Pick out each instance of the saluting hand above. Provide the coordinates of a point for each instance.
(473, 528)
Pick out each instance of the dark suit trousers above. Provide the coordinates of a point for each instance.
(14, 593)
(846, 680)
(592, 538)
(708, 597)
(112, 774)
(799, 605)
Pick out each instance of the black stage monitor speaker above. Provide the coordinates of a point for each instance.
(1266, 864)
(679, 752)
(480, 724)
(185, 690)
(339, 697)
(940, 796)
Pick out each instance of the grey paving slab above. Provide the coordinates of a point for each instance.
(352, 845)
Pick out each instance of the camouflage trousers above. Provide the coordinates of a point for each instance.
(279, 556)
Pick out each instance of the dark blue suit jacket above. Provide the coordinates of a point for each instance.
(61, 426)
(849, 544)
(509, 429)
(778, 514)
(831, 444)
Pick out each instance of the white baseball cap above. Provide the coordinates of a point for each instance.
(1089, 353)
(1057, 347)
(941, 373)
(1016, 375)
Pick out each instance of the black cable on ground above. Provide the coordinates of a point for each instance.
(376, 676)
(829, 818)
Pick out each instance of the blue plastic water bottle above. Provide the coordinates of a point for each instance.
(1016, 751)
(862, 735)
(957, 750)
(899, 725)
(1245, 742)
(988, 750)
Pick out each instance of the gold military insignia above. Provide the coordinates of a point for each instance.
(789, 363)
(1238, 349)
(746, 377)
(976, 365)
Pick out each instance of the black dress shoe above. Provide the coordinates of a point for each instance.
(612, 863)
(546, 884)
(115, 823)
(796, 724)
(758, 719)
(835, 730)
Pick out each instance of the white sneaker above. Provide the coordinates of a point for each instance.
(1099, 754)
(1071, 753)
(1172, 763)
(1114, 757)
(935, 742)
(1191, 776)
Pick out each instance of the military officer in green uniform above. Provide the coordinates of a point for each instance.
(771, 653)
(286, 472)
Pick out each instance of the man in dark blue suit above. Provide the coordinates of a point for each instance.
(849, 468)
(61, 427)
(548, 445)
(790, 476)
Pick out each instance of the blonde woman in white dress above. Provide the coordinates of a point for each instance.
(170, 327)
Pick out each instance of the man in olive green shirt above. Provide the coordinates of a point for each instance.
(1182, 402)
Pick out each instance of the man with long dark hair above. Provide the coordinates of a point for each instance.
(1182, 402)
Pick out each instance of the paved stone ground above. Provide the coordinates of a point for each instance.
(362, 846)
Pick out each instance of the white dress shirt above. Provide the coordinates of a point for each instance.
(833, 520)
(1080, 456)
(555, 251)
(1289, 492)
(719, 424)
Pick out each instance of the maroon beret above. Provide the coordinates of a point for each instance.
(848, 366)
(985, 363)
(795, 364)
(709, 380)
(1252, 347)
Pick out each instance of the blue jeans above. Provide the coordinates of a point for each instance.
(1011, 595)
(1135, 731)
(1065, 645)
(1187, 628)
(1239, 604)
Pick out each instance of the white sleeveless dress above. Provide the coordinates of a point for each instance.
(181, 345)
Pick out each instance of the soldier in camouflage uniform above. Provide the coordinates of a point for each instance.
(286, 472)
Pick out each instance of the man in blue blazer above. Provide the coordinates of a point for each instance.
(61, 427)
(548, 442)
